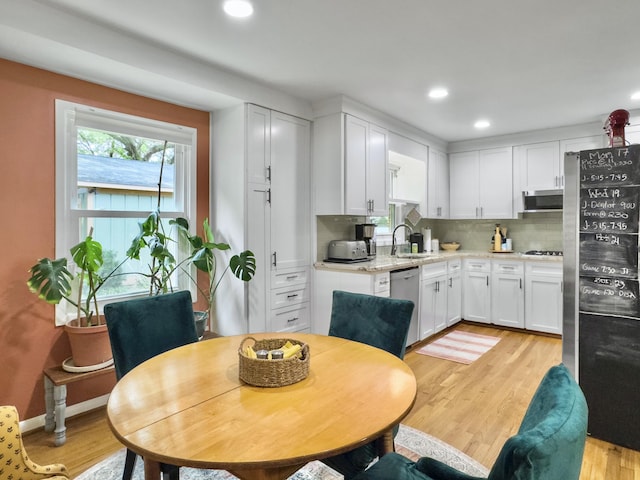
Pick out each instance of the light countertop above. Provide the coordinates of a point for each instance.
(384, 263)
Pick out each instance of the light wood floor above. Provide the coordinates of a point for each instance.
(472, 407)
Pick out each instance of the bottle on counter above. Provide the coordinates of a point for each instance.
(497, 239)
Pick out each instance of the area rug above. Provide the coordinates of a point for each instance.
(410, 442)
(459, 346)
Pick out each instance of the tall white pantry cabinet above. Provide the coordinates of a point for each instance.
(260, 198)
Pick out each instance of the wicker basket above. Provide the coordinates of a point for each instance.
(272, 373)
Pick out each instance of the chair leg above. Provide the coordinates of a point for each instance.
(170, 472)
(129, 463)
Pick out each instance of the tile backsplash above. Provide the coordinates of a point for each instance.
(533, 231)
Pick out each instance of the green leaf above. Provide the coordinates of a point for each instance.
(243, 265)
(88, 255)
(51, 280)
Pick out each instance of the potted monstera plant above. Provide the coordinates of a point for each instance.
(52, 281)
(203, 257)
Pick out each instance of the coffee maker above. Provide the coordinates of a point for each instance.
(365, 232)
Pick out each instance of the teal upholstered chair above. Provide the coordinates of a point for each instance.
(549, 444)
(377, 321)
(143, 328)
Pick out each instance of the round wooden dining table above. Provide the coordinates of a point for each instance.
(187, 407)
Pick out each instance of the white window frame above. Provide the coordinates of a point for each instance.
(68, 117)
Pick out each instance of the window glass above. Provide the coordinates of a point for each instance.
(111, 168)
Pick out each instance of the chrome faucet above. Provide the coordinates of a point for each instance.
(393, 237)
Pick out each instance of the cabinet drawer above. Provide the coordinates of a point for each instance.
(433, 270)
(283, 297)
(506, 266)
(290, 319)
(292, 276)
(381, 283)
(543, 268)
(454, 266)
(476, 265)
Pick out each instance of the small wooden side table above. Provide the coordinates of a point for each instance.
(55, 397)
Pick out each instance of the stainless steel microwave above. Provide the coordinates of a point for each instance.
(543, 200)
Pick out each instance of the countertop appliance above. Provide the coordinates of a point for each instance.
(347, 251)
(601, 294)
(405, 285)
(366, 232)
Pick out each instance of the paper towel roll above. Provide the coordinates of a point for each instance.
(426, 234)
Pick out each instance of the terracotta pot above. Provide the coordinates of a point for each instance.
(89, 345)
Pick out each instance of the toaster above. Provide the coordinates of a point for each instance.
(347, 250)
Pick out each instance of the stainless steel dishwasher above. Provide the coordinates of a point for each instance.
(405, 285)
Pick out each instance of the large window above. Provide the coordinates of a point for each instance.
(111, 171)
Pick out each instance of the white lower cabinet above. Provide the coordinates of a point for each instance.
(543, 301)
(326, 281)
(507, 293)
(476, 290)
(454, 292)
(433, 299)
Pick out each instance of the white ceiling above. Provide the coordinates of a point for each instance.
(524, 65)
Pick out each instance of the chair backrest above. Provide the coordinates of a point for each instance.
(550, 442)
(377, 321)
(143, 328)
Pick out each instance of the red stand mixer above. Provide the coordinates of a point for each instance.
(614, 126)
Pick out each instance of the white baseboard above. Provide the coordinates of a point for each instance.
(82, 407)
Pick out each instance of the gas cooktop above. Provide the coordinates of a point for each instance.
(553, 253)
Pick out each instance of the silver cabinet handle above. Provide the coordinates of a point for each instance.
(269, 173)
(274, 261)
(294, 319)
(293, 295)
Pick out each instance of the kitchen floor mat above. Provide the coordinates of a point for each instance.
(458, 346)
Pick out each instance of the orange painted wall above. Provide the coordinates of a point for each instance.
(29, 340)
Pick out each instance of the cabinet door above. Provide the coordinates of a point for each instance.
(454, 299)
(290, 220)
(507, 300)
(258, 144)
(577, 145)
(464, 187)
(539, 166)
(377, 187)
(438, 185)
(495, 169)
(355, 150)
(428, 307)
(476, 297)
(258, 241)
(543, 303)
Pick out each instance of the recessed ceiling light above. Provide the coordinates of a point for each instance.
(438, 92)
(482, 124)
(238, 8)
(635, 96)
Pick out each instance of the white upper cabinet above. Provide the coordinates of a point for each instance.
(258, 144)
(438, 185)
(290, 221)
(481, 184)
(539, 166)
(350, 166)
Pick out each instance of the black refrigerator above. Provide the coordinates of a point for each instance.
(601, 305)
